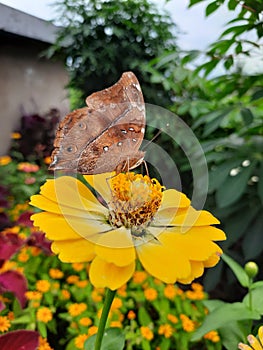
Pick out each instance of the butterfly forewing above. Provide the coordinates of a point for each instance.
(106, 135)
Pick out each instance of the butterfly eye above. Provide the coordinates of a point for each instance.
(82, 125)
(71, 149)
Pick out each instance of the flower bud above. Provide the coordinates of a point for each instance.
(251, 269)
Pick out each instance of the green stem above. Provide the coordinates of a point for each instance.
(104, 316)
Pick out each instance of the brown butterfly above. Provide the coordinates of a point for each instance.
(106, 135)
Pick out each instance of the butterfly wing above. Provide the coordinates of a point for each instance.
(105, 135)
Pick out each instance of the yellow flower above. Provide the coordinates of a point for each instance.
(80, 340)
(56, 273)
(82, 284)
(146, 332)
(4, 160)
(116, 304)
(172, 240)
(77, 308)
(213, 336)
(44, 314)
(43, 286)
(5, 324)
(166, 330)
(150, 294)
(22, 257)
(256, 344)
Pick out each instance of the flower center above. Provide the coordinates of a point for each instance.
(135, 200)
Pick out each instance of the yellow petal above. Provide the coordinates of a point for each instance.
(59, 227)
(254, 342)
(213, 259)
(72, 251)
(242, 346)
(65, 196)
(103, 274)
(163, 260)
(193, 245)
(116, 247)
(184, 217)
(100, 183)
(174, 199)
(197, 270)
(260, 334)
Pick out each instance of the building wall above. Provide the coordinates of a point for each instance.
(28, 83)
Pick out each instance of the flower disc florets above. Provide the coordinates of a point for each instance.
(135, 200)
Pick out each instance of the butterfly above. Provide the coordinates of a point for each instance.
(106, 135)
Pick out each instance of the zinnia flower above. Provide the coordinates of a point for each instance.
(256, 344)
(131, 217)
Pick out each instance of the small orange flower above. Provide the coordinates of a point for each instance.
(116, 304)
(146, 332)
(131, 315)
(213, 336)
(72, 279)
(92, 330)
(16, 135)
(43, 344)
(85, 321)
(172, 318)
(47, 160)
(170, 291)
(95, 296)
(56, 273)
(122, 291)
(116, 324)
(5, 324)
(43, 286)
(77, 308)
(78, 266)
(139, 277)
(11, 315)
(187, 324)
(33, 295)
(65, 294)
(28, 167)
(166, 330)
(82, 284)
(80, 340)
(4, 160)
(23, 257)
(150, 294)
(44, 314)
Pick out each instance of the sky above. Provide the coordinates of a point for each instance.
(197, 32)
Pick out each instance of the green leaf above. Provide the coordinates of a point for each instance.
(250, 244)
(220, 173)
(260, 182)
(234, 187)
(144, 317)
(257, 95)
(113, 339)
(257, 300)
(211, 8)
(232, 4)
(41, 326)
(238, 270)
(232, 334)
(146, 345)
(247, 116)
(223, 315)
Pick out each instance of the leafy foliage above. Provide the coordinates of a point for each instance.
(102, 39)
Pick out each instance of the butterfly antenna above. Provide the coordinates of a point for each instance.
(154, 138)
(146, 168)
